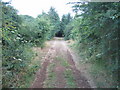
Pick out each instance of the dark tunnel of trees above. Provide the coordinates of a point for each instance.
(59, 34)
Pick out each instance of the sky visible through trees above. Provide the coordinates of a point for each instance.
(33, 8)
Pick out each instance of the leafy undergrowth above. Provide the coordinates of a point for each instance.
(15, 70)
(101, 76)
(32, 68)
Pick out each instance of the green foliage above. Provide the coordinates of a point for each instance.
(55, 22)
(34, 30)
(19, 34)
(66, 19)
(96, 31)
(94, 28)
(44, 29)
(16, 56)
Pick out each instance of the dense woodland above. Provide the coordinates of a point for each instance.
(94, 28)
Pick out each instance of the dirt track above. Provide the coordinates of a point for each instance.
(58, 69)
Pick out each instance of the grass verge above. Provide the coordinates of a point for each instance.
(98, 72)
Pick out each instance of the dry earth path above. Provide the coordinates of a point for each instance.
(59, 69)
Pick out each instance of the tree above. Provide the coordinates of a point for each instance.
(97, 34)
(19, 34)
(55, 21)
(66, 19)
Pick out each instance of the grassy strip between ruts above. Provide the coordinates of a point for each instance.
(63, 62)
(70, 81)
(69, 78)
(51, 76)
